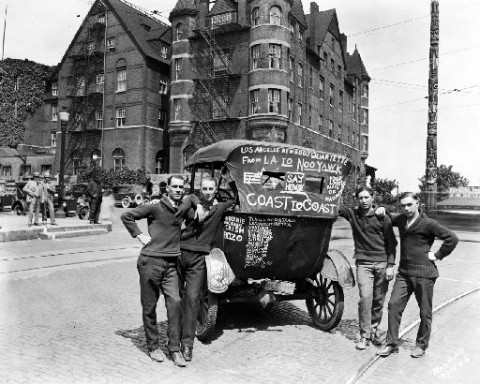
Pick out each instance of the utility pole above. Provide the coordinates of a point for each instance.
(431, 162)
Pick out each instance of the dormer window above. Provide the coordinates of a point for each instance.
(111, 43)
(164, 52)
(101, 19)
(55, 88)
(178, 32)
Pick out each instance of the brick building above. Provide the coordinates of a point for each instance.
(264, 70)
(113, 81)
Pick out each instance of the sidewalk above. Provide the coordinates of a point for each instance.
(15, 228)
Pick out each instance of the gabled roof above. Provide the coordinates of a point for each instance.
(324, 23)
(223, 6)
(298, 13)
(183, 7)
(355, 64)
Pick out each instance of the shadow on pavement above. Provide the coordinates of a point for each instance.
(137, 337)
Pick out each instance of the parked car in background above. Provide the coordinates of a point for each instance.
(130, 195)
(79, 195)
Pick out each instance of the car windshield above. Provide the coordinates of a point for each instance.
(123, 189)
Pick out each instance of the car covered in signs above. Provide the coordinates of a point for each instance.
(274, 245)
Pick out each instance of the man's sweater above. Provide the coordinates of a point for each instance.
(373, 236)
(416, 241)
(164, 223)
(200, 238)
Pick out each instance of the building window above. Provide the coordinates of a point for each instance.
(178, 68)
(163, 84)
(300, 37)
(309, 116)
(365, 90)
(364, 143)
(99, 81)
(291, 27)
(53, 138)
(176, 109)
(121, 80)
(275, 15)
(275, 56)
(300, 75)
(339, 70)
(290, 108)
(110, 43)
(99, 119)
(274, 100)
(254, 102)
(121, 114)
(320, 122)
(160, 162)
(101, 19)
(364, 116)
(255, 17)
(340, 133)
(330, 127)
(55, 88)
(25, 170)
(164, 52)
(6, 170)
(219, 63)
(224, 18)
(321, 86)
(354, 112)
(76, 162)
(325, 59)
(310, 79)
(255, 56)
(331, 100)
(80, 86)
(54, 112)
(340, 101)
(332, 65)
(348, 135)
(118, 159)
(90, 47)
(178, 32)
(299, 114)
(46, 168)
(292, 75)
(220, 107)
(162, 118)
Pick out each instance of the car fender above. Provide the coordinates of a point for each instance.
(336, 267)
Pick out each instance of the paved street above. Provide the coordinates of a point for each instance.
(81, 323)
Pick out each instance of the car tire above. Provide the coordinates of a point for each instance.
(126, 202)
(18, 210)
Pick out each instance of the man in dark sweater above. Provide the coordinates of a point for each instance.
(375, 246)
(158, 261)
(417, 272)
(196, 242)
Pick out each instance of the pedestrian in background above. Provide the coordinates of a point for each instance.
(196, 243)
(94, 196)
(417, 271)
(157, 264)
(33, 189)
(107, 206)
(374, 254)
(48, 190)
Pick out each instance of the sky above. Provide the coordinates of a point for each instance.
(393, 40)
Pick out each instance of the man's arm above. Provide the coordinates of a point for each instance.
(130, 217)
(450, 241)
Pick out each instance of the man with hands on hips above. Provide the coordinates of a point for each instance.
(157, 263)
(417, 271)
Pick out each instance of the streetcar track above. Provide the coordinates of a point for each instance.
(370, 363)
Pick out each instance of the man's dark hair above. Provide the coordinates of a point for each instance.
(414, 196)
(179, 177)
(364, 188)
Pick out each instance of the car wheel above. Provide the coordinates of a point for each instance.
(17, 210)
(126, 202)
(83, 213)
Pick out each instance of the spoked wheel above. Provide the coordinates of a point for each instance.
(207, 315)
(325, 305)
(126, 202)
(83, 213)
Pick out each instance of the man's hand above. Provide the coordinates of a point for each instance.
(143, 238)
(201, 213)
(380, 212)
(431, 256)
(389, 273)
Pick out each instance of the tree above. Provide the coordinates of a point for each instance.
(446, 178)
(383, 191)
(110, 178)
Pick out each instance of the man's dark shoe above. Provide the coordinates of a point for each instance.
(187, 353)
(417, 352)
(92, 222)
(387, 350)
(177, 359)
(375, 339)
(37, 224)
(157, 355)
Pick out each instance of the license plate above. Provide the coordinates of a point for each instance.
(280, 286)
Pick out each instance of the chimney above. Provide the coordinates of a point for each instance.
(314, 7)
(242, 12)
(343, 39)
(202, 12)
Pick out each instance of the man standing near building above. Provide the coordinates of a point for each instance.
(47, 199)
(157, 263)
(196, 242)
(417, 272)
(94, 196)
(33, 189)
(374, 255)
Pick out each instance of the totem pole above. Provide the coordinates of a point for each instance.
(431, 171)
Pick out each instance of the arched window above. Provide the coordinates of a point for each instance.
(275, 15)
(178, 32)
(96, 156)
(255, 17)
(118, 159)
(160, 162)
(76, 161)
